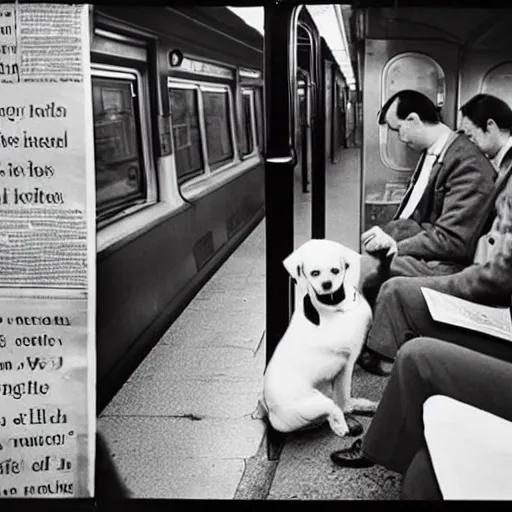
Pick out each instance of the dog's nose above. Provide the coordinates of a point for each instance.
(326, 285)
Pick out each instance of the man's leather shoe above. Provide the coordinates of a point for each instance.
(352, 457)
(371, 363)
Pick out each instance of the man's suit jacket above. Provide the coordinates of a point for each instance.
(499, 186)
(445, 225)
(491, 238)
(488, 283)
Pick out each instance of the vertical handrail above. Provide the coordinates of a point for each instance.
(318, 140)
(317, 77)
(304, 132)
(280, 160)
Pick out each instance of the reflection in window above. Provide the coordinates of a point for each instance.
(247, 143)
(498, 82)
(408, 71)
(186, 134)
(120, 179)
(218, 126)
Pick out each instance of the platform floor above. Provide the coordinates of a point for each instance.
(182, 425)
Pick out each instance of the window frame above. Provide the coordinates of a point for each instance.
(259, 112)
(201, 172)
(484, 80)
(383, 129)
(249, 91)
(202, 86)
(232, 120)
(143, 129)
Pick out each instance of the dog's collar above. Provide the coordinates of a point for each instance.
(311, 313)
(332, 299)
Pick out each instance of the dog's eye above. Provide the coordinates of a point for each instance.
(315, 273)
(335, 271)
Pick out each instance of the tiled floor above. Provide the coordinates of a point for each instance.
(181, 426)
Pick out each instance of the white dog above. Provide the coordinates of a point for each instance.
(309, 376)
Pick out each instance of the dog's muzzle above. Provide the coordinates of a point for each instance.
(332, 299)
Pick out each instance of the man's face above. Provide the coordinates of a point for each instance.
(410, 130)
(483, 139)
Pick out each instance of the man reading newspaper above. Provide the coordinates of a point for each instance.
(401, 312)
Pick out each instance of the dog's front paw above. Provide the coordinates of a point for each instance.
(348, 407)
(338, 425)
(360, 405)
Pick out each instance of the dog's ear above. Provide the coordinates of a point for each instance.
(351, 260)
(310, 311)
(294, 265)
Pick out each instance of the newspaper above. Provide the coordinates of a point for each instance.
(47, 253)
(470, 450)
(463, 313)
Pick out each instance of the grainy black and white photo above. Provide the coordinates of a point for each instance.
(255, 252)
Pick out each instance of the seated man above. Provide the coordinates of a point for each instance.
(426, 367)
(496, 116)
(433, 232)
(401, 312)
(487, 121)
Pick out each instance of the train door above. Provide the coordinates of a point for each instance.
(338, 127)
(281, 106)
(350, 119)
(429, 66)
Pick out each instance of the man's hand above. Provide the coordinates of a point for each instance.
(375, 240)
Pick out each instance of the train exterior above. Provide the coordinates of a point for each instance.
(178, 130)
(450, 54)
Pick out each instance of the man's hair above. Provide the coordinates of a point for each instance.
(412, 101)
(482, 107)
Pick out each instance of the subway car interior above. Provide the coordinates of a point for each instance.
(220, 148)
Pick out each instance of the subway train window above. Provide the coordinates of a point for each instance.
(120, 173)
(218, 125)
(407, 71)
(186, 132)
(498, 82)
(247, 116)
(259, 117)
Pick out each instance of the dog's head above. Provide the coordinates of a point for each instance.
(325, 272)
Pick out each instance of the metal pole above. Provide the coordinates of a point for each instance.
(318, 139)
(304, 138)
(280, 161)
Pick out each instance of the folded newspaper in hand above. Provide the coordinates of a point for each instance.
(495, 321)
